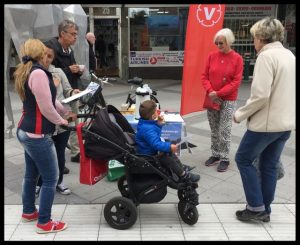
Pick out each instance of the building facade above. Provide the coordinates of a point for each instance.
(149, 41)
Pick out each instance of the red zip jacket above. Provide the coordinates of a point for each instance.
(223, 74)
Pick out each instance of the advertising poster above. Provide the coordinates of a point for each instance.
(171, 131)
(156, 58)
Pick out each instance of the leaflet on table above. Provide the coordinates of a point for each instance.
(91, 88)
(168, 117)
(172, 117)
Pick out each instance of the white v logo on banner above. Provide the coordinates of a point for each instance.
(209, 15)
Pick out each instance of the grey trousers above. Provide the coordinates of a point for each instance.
(73, 139)
(220, 123)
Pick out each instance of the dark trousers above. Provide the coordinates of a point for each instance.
(60, 141)
(170, 160)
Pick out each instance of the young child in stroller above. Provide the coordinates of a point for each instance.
(149, 142)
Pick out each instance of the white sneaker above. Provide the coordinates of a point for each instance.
(62, 189)
(37, 191)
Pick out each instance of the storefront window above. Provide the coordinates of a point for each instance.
(158, 32)
(290, 27)
(240, 18)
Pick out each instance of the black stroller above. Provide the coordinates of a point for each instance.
(109, 136)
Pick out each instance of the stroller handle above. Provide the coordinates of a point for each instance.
(69, 128)
(73, 128)
(86, 115)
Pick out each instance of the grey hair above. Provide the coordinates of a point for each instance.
(268, 29)
(227, 33)
(65, 25)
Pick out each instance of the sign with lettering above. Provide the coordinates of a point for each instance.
(249, 11)
(156, 58)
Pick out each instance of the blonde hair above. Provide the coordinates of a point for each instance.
(227, 33)
(268, 30)
(34, 50)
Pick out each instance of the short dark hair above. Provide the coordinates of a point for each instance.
(65, 25)
(147, 109)
(50, 45)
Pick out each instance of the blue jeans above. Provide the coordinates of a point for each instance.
(268, 147)
(40, 159)
(60, 141)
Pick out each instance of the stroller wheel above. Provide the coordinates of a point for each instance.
(123, 186)
(120, 213)
(188, 213)
(182, 194)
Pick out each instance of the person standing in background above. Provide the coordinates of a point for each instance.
(100, 48)
(221, 79)
(60, 136)
(64, 59)
(90, 37)
(270, 113)
(41, 112)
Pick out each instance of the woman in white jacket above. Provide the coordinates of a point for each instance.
(270, 114)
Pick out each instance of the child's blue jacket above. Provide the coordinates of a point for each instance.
(148, 138)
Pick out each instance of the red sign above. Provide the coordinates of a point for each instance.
(204, 21)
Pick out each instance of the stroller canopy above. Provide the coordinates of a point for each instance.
(113, 126)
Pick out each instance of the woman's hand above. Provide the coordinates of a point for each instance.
(213, 96)
(71, 116)
(65, 123)
(235, 119)
(76, 91)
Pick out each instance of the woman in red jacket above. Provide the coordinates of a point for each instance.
(221, 79)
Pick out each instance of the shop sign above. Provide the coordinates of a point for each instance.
(104, 11)
(156, 58)
(249, 11)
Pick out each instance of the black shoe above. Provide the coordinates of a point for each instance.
(223, 166)
(76, 158)
(212, 161)
(37, 191)
(267, 219)
(191, 177)
(66, 170)
(247, 215)
(187, 167)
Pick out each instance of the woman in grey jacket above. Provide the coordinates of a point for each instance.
(270, 114)
(60, 136)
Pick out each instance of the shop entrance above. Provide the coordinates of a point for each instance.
(106, 47)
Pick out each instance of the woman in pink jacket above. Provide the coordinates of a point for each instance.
(221, 79)
(41, 112)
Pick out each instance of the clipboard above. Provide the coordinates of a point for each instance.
(91, 88)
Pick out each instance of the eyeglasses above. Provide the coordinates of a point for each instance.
(74, 34)
(219, 43)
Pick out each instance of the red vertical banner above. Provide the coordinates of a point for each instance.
(204, 21)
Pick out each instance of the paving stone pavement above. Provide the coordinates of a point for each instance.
(215, 189)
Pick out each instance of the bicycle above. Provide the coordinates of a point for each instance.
(93, 101)
(131, 97)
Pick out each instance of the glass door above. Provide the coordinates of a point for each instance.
(106, 46)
